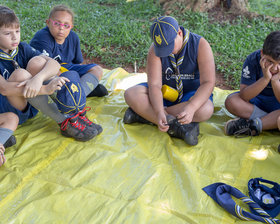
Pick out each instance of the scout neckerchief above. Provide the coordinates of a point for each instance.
(10, 57)
(221, 193)
(176, 64)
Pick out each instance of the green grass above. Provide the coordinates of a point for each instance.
(117, 31)
(231, 41)
(264, 7)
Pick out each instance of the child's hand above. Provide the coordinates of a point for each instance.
(162, 122)
(2, 157)
(276, 77)
(266, 66)
(56, 84)
(186, 116)
(31, 87)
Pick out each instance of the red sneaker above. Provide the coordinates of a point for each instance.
(85, 121)
(72, 127)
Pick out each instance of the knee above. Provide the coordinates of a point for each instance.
(36, 64)
(97, 71)
(231, 101)
(20, 75)
(278, 122)
(206, 112)
(12, 119)
(127, 95)
(228, 101)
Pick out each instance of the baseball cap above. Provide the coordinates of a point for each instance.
(71, 98)
(267, 195)
(163, 33)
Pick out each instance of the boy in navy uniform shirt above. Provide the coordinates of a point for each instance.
(184, 61)
(58, 41)
(257, 104)
(24, 72)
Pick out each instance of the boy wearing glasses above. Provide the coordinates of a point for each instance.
(58, 41)
(27, 78)
(257, 104)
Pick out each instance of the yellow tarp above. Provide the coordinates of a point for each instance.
(129, 173)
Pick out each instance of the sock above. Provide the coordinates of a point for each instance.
(257, 112)
(5, 134)
(259, 123)
(46, 105)
(89, 82)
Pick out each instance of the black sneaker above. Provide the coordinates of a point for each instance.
(72, 127)
(241, 126)
(99, 91)
(131, 117)
(10, 142)
(188, 132)
(85, 121)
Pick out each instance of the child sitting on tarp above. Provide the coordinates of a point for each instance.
(257, 104)
(58, 41)
(8, 124)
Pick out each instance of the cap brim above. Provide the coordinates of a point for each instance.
(272, 212)
(164, 51)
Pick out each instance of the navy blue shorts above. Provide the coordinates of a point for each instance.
(81, 69)
(23, 116)
(186, 96)
(265, 103)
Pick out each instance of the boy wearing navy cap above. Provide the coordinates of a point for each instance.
(184, 61)
(58, 41)
(257, 104)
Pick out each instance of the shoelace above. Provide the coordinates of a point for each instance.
(75, 124)
(246, 130)
(81, 114)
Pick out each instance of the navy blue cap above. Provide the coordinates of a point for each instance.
(163, 33)
(266, 193)
(71, 98)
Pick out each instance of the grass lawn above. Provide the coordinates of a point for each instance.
(117, 31)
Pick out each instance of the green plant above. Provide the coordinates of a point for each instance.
(117, 31)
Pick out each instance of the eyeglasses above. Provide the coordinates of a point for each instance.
(58, 24)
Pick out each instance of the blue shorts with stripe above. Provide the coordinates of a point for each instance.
(28, 113)
(81, 69)
(186, 96)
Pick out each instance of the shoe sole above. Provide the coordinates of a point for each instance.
(79, 139)
(10, 142)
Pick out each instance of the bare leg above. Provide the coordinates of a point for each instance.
(238, 107)
(18, 75)
(137, 98)
(97, 71)
(202, 114)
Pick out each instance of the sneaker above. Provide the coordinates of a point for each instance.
(131, 117)
(72, 127)
(188, 132)
(241, 126)
(99, 91)
(10, 142)
(279, 148)
(85, 121)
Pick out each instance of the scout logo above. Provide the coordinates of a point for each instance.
(74, 88)
(158, 39)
